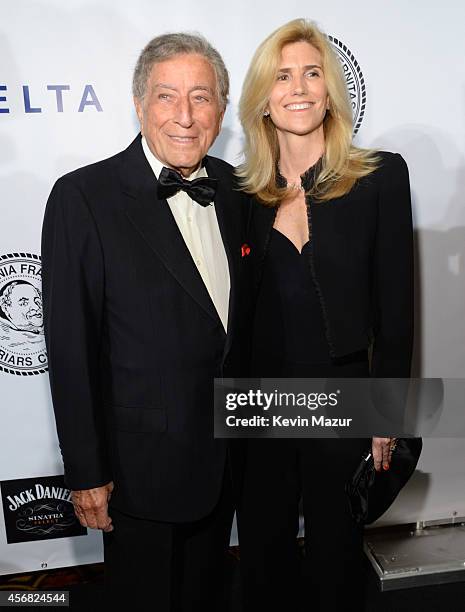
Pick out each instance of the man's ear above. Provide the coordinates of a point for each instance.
(220, 120)
(140, 111)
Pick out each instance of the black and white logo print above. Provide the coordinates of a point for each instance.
(38, 509)
(354, 79)
(22, 341)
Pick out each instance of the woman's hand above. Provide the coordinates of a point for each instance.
(381, 449)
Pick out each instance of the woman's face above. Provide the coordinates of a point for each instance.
(299, 97)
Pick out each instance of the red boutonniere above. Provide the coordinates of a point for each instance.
(245, 250)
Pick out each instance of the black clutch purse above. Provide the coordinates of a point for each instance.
(371, 493)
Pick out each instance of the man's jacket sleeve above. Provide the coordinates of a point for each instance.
(73, 278)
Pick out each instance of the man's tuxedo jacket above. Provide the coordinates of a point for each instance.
(133, 338)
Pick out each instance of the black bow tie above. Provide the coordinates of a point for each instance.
(202, 190)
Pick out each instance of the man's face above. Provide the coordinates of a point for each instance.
(180, 115)
(25, 310)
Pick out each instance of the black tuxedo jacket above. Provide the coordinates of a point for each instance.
(361, 264)
(133, 338)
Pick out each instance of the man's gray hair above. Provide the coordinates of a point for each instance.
(167, 46)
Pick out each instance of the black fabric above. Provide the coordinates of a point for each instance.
(134, 340)
(371, 493)
(361, 263)
(202, 190)
(278, 474)
(290, 341)
(288, 305)
(171, 567)
(353, 284)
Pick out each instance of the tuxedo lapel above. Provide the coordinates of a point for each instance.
(264, 217)
(262, 224)
(227, 207)
(155, 222)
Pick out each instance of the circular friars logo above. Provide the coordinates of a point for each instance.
(354, 79)
(22, 341)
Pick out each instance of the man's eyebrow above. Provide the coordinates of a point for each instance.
(202, 88)
(193, 88)
(164, 85)
(309, 67)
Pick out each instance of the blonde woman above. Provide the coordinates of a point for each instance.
(332, 245)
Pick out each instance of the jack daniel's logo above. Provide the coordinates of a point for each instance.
(38, 509)
(36, 493)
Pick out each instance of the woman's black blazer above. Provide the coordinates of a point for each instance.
(361, 263)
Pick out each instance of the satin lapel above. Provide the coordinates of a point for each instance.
(263, 218)
(228, 213)
(155, 222)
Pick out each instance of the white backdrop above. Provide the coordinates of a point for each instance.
(411, 55)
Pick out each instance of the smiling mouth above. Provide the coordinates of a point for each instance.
(183, 139)
(298, 106)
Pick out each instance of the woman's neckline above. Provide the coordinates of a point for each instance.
(307, 178)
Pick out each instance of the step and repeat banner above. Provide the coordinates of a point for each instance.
(65, 101)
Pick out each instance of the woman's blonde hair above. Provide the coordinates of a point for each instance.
(342, 163)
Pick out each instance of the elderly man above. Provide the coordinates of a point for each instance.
(142, 254)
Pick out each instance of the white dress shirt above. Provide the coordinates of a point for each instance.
(200, 230)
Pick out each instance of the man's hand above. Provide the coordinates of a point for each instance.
(91, 507)
(381, 449)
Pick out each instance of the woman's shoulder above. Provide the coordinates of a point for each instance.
(389, 168)
(391, 181)
(389, 161)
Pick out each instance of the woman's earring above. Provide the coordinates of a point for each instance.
(266, 113)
